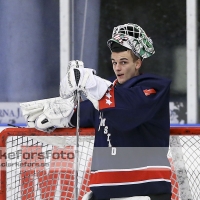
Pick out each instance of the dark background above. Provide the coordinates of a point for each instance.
(30, 36)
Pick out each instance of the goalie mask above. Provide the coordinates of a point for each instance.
(134, 38)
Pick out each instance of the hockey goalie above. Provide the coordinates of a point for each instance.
(130, 117)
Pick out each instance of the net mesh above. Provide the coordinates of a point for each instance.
(185, 163)
(50, 176)
(36, 170)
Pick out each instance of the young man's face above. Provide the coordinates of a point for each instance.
(124, 66)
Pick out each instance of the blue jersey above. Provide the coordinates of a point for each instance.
(131, 138)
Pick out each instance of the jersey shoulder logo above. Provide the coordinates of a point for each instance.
(108, 100)
(148, 92)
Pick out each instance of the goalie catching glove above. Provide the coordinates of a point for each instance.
(92, 86)
(48, 114)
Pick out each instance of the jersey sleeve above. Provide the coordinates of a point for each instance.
(127, 108)
(87, 115)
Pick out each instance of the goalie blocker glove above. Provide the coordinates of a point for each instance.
(48, 114)
(92, 86)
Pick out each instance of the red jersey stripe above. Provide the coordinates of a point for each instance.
(130, 176)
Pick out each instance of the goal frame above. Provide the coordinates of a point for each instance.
(8, 132)
(174, 131)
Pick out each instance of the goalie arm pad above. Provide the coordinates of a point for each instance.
(92, 86)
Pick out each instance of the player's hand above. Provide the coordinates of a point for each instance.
(56, 115)
(85, 81)
(32, 109)
(48, 114)
(69, 85)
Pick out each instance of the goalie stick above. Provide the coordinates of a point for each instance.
(77, 96)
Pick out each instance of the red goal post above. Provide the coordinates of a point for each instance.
(52, 177)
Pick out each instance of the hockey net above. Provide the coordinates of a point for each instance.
(37, 165)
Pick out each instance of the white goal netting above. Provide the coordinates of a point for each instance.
(36, 170)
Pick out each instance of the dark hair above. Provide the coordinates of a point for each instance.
(115, 47)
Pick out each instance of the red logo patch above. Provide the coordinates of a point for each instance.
(108, 100)
(148, 92)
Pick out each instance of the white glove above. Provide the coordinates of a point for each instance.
(31, 110)
(48, 114)
(70, 76)
(92, 86)
(87, 196)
